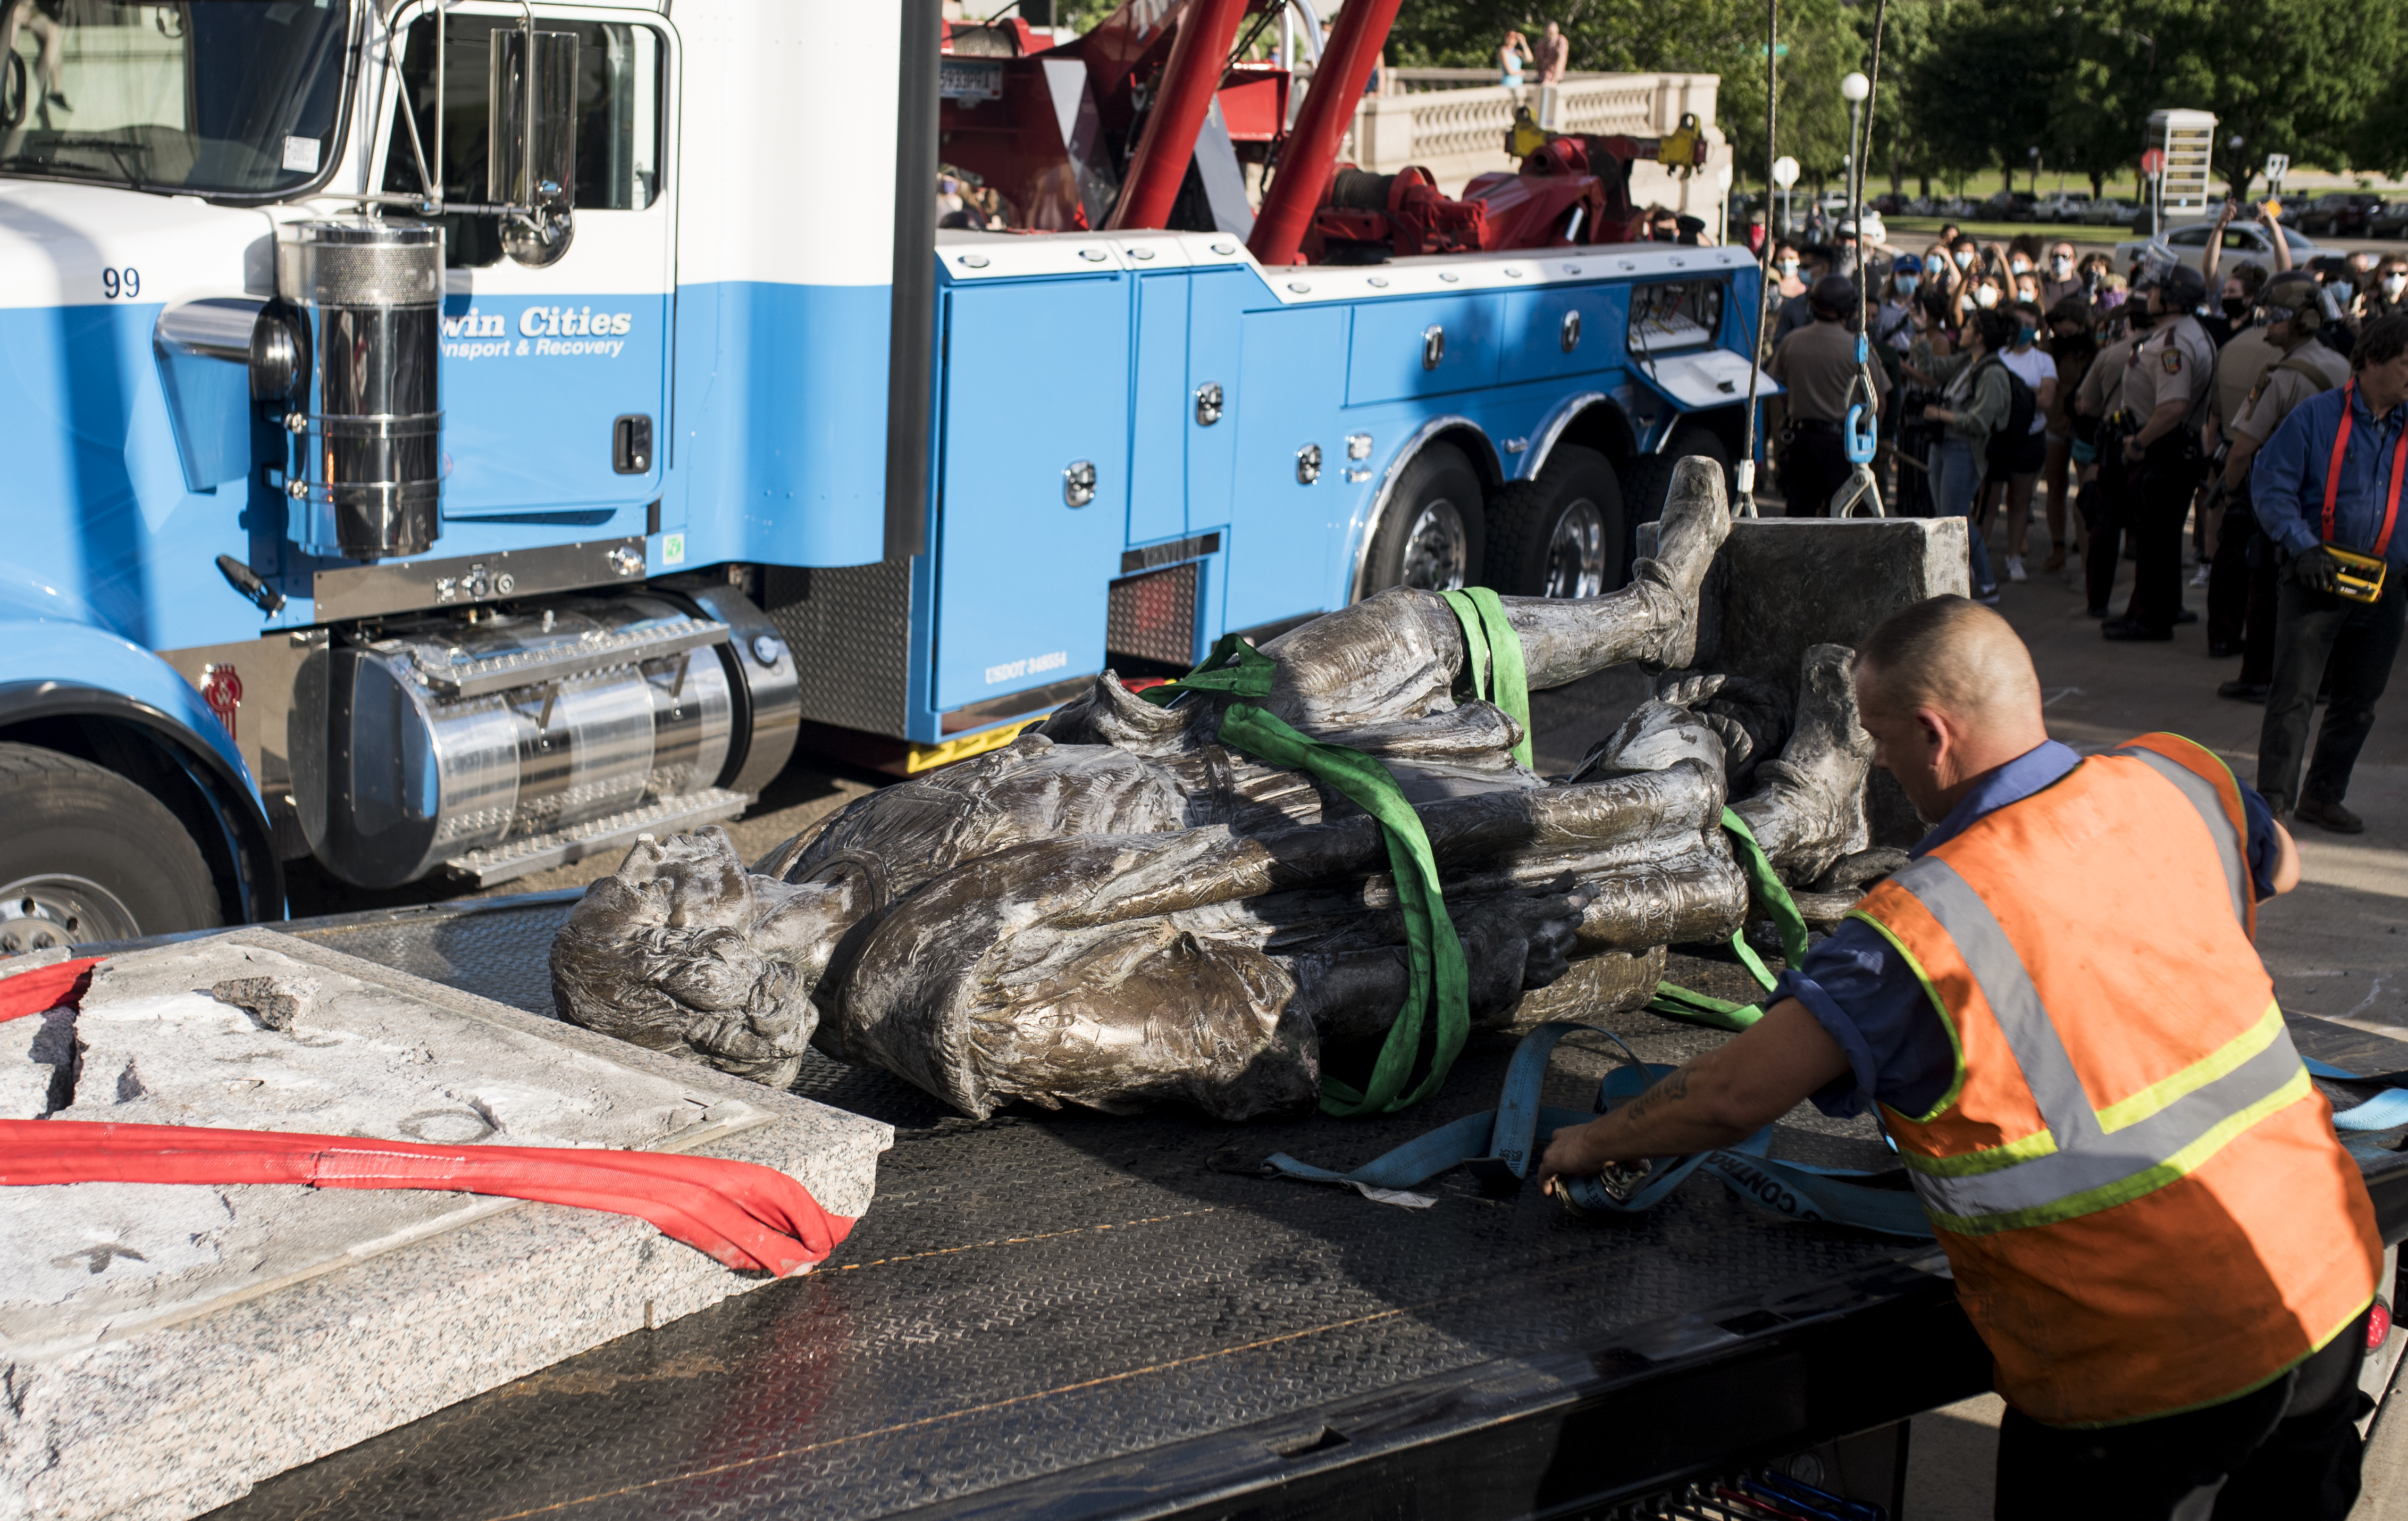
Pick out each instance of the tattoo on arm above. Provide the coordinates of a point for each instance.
(1671, 1089)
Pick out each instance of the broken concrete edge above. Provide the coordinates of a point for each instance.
(171, 1423)
(187, 1413)
(779, 1103)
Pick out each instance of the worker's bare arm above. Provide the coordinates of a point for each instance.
(2287, 861)
(1724, 1095)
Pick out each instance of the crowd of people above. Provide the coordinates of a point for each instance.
(2132, 406)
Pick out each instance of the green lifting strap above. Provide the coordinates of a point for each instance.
(1439, 986)
(1491, 644)
(1764, 886)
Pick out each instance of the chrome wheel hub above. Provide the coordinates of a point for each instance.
(1576, 553)
(39, 912)
(1438, 550)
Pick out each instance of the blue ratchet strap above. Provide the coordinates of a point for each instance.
(1500, 1145)
(2385, 1111)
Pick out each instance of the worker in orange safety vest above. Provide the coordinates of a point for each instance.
(2057, 1012)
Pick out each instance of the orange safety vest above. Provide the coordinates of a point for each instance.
(2139, 1190)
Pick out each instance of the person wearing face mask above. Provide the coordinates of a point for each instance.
(1962, 253)
(2166, 391)
(1894, 322)
(2073, 345)
(2059, 279)
(1986, 292)
(2242, 587)
(2098, 450)
(2389, 296)
(1786, 262)
(1978, 398)
(2243, 353)
(2013, 477)
(1816, 261)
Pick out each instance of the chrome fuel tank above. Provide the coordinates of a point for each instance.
(444, 737)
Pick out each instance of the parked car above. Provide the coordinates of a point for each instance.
(2107, 211)
(1890, 204)
(2341, 214)
(2243, 243)
(2390, 219)
(2065, 205)
(1875, 230)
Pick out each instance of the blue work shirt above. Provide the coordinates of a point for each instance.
(1860, 989)
(2287, 481)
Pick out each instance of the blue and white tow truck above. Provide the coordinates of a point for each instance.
(457, 438)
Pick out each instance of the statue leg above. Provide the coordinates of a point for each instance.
(1397, 655)
(1808, 807)
(1653, 620)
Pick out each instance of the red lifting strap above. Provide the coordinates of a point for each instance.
(44, 988)
(747, 1216)
(2332, 475)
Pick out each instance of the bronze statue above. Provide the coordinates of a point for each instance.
(1119, 908)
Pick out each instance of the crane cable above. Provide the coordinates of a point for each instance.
(1858, 151)
(1745, 505)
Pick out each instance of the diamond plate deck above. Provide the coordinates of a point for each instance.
(1039, 1306)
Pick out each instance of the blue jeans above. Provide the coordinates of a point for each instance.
(1955, 475)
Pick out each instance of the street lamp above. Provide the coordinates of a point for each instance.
(1854, 88)
(1784, 174)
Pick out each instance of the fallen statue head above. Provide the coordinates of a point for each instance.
(684, 950)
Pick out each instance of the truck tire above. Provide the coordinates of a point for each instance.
(1648, 480)
(88, 855)
(1432, 535)
(1562, 533)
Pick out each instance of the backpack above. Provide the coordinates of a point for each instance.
(1999, 458)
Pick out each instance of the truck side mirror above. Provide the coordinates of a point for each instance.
(531, 160)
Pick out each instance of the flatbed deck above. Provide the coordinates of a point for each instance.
(1069, 1314)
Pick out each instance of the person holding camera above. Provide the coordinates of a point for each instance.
(1977, 406)
(2330, 479)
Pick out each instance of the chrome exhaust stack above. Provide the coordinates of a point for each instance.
(364, 468)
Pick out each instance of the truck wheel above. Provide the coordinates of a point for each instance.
(1648, 480)
(89, 857)
(1560, 535)
(1431, 536)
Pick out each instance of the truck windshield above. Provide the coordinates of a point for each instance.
(210, 97)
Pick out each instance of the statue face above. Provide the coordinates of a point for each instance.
(684, 950)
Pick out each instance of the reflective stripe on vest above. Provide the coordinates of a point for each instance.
(2086, 1159)
(2231, 847)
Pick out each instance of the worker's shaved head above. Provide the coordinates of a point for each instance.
(1954, 656)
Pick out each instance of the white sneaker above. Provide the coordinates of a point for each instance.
(2198, 577)
(2015, 568)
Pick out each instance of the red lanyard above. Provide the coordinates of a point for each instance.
(2332, 475)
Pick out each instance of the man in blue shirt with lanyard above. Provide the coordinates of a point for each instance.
(2331, 475)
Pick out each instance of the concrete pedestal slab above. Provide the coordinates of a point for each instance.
(165, 1346)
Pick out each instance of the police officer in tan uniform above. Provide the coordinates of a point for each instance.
(2245, 566)
(2167, 385)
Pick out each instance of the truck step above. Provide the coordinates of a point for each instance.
(539, 853)
(597, 651)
